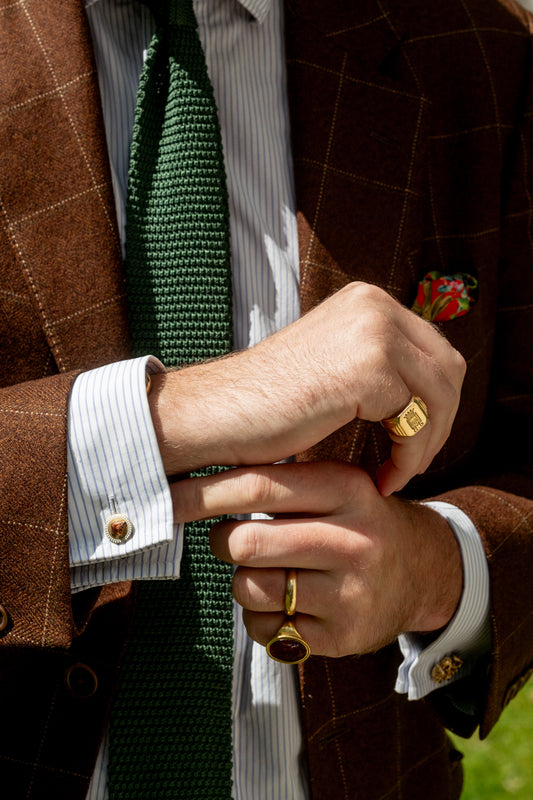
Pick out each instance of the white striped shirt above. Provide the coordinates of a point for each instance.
(114, 461)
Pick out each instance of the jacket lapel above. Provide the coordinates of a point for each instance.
(62, 225)
(356, 121)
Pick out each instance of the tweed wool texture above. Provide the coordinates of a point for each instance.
(170, 732)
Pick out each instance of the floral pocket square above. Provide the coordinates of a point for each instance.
(444, 297)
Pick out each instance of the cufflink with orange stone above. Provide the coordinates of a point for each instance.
(287, 646)
(118, 527)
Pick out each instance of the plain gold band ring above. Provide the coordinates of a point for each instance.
(290, 593)
(288, 646)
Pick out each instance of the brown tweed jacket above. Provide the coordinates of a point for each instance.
(413, 150)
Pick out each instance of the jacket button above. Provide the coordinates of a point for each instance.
(81, 680)
(4, 619)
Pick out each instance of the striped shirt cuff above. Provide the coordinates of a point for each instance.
(114, 466)
(468, 634)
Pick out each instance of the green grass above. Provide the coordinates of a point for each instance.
(501, 766)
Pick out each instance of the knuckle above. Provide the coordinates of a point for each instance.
(455, 364)
(257, 489)
(375, 323)
(452, 392)
(375, 355)
(259, 588)
(248, 547)
(189, 501)
(193, 499)
(459, 365)
(342, 482)
(352, 288)
(367, 291)
(378, 553)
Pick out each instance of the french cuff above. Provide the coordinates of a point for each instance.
(121, 524)
(454, 654)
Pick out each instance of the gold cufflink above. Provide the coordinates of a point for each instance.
(118, 527)
(446, 668)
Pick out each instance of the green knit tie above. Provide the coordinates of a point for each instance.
(170, 732)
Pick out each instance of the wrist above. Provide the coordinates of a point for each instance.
(440, 571)
(182, 409)
(236, 410)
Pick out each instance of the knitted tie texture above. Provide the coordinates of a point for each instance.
(170, 730)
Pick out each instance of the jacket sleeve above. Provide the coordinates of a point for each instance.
(34, 566)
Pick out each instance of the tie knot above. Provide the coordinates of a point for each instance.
(172, 12)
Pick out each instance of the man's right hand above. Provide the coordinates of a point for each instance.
(358, 354)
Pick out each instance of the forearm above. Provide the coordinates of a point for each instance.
(236, 410)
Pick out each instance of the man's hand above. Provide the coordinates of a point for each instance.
(369, 567)
(358, 354)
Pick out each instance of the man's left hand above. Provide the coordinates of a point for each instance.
(369, 567)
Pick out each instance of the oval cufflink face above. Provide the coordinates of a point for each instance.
(118, 528)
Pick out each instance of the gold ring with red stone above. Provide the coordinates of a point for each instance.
(287, 646)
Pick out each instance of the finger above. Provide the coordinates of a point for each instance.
(314, 544)
(397, 471)
(422, 377)
(318, 635)
(405, 460)
(313, 488)
(262, 627)
(409, 456)
(440, 384)
(412, 455)
(263, 590)
(407, 343)
(442, 401)
(407, 357)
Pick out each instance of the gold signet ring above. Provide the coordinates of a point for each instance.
(409, 421)
(287, 646)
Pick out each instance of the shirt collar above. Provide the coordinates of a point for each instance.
(257, 8)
